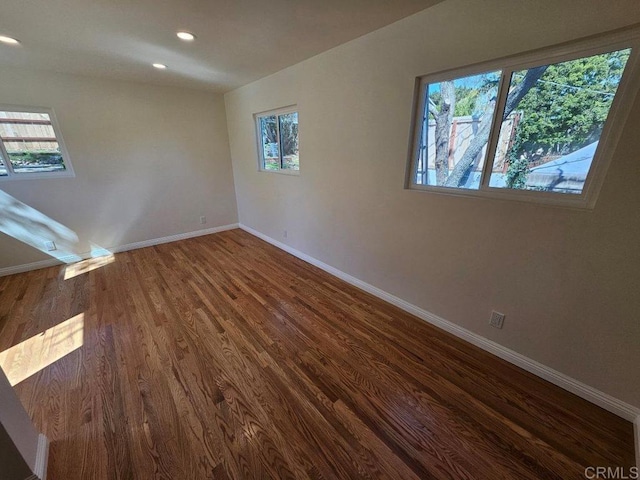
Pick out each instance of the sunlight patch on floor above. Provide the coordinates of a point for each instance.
(38, 352)
(85, 266)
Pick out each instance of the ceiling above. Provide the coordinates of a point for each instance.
(238, 41)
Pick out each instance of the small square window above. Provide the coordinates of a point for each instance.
(277, 133)
(30, 145)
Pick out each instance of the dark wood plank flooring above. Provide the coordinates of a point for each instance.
(224, 357)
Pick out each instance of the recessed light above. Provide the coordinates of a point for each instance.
(186, 36)
(160, 66)
(9, 40)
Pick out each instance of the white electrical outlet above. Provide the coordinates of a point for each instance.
(497, 319)
(284, 234)
(203, 220)
(50, 246)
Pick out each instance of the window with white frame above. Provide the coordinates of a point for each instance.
(31, 145)
(539, 126)
(277, 133)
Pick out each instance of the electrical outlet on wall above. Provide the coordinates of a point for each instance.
(284, 234)
(497, 319)
(203, 220)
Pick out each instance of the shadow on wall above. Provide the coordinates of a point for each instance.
(34, 228)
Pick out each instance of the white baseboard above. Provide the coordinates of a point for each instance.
(618, 407)
(121, 248)
(42, 457)
(636, 431)
(27, 267)
(172, 238)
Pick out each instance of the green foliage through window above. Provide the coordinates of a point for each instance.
(551, 120)
(278, 133)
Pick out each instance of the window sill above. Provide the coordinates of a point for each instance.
(549, 199)
(37, 176)
(293, 173)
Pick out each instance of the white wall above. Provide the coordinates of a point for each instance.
(18, 435)
(149, 161)
(567, 279)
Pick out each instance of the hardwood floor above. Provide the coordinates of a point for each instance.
(224, 357)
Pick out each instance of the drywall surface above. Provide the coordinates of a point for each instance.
(566, 279)
(12, 465)
(18, 436)
(149, 162)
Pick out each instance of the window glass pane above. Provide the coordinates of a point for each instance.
(270, 145)
(455, 130)
(30, 142)
(289, 140)
(553, 119)
(3, 170)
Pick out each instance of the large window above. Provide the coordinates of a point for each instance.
(537, 127)
(277, 133)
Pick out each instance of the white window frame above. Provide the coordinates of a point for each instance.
(68, 172)
(270, 113)
(618, 113)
